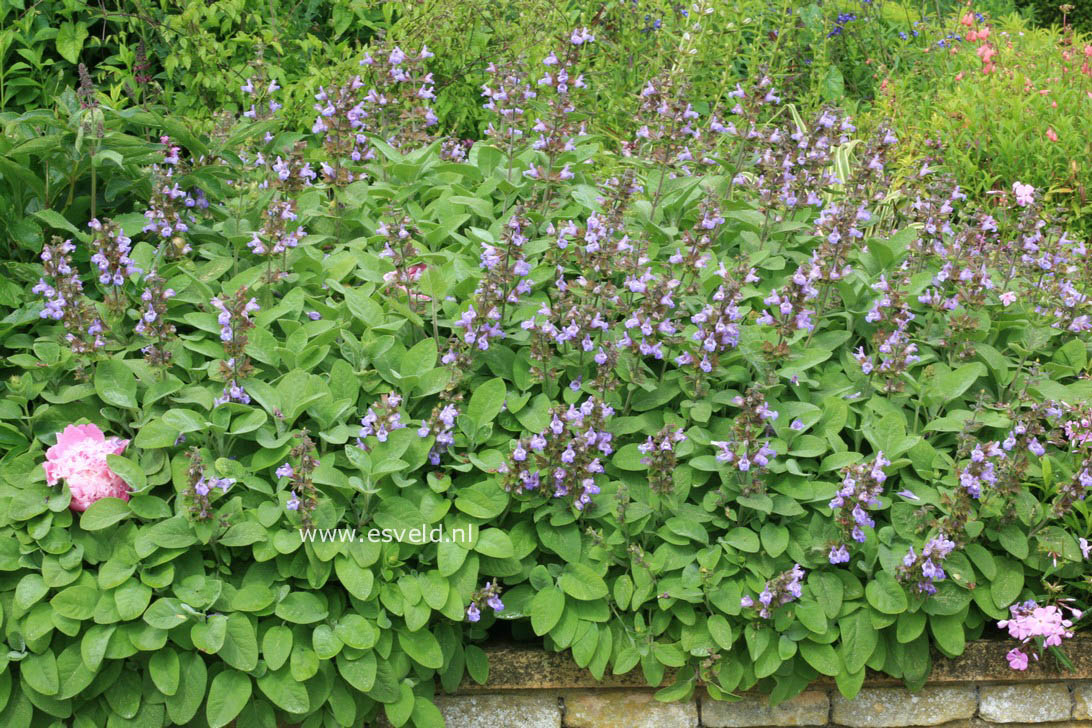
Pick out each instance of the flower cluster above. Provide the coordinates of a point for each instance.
(504, 281)
(749, 106)
(556, 131)
(264, 106)
(79, 458)
(842, 20)
(652, 322)
(789, 310)
(897, 350)
(170, 208)
(488, 595)
(659, 456)
(862, 485)
(786, 587)
(749, 449)
(440, 424)
(922, 570)
(110, 253)
(399, 250)
(794, 164)
(65, 301)
(981, 470)
(506, 94)
(564, 459)
(1046, 625)
(381, 420)
(153, 321)
(201, 485)
(301, 485)
(288, 174)
(280, 232)
(669, 133)
(340, 122)
(234, 319)
(717, 323)
(399, 101)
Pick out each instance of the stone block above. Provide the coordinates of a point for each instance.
(1032, 703)
(627, 709)
(494, 711)
(891, 707)
(1082, 701)
(808, 708)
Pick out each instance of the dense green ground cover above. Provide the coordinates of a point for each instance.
(699, 371)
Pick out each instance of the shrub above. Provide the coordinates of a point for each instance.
(722, 403)
(1048, 12)
(1015, 116)
(193, 56)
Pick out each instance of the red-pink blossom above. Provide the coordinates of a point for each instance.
(79, 457)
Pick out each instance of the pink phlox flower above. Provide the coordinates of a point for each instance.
(1017, 659)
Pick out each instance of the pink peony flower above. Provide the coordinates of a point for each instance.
(1017, 659)
(79, 457)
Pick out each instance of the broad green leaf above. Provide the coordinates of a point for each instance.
(580, 582)
(164, 668)
(116, 384)
(494, 542)
(229, 692)
(284, 691)
(1009, 582)
(859, 639)
(721, 631)
(40, 672)
(885, 594)
(948, 631)
(422, 647)
(301, 608)
(546, 609)
(486, 402)
(828, 590)
(70, 39)
(240, 644)
(104, 513)
(128, 471)
(276, 646)
(822, 657)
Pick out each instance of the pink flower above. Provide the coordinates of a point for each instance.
(1051, 134)
(1008, 298)
(1017, 659)
(79, 457)
(967, 20)
(1025, 194)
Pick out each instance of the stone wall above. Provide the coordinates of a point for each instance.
(533, 689)
(1045, 704)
